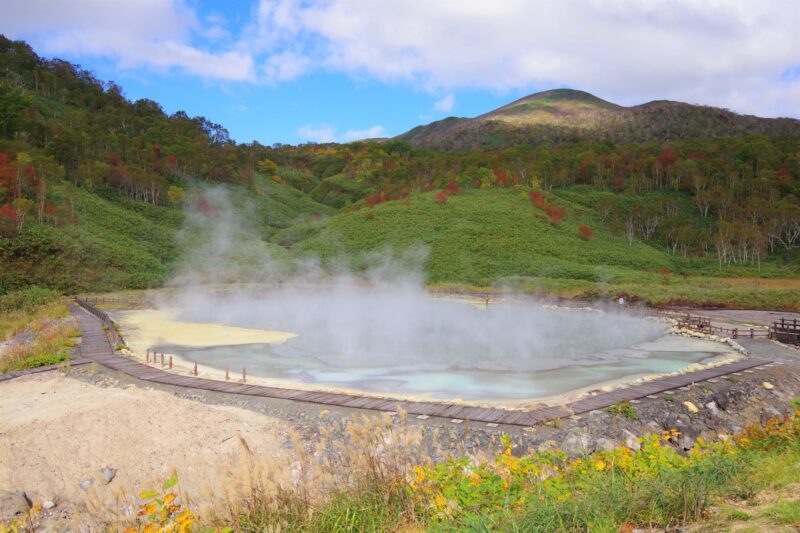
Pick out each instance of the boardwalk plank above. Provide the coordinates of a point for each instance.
(96, 347)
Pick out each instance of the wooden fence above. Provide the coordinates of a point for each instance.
(786, 331)
(783, 330)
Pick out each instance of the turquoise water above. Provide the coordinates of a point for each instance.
(439, 381)
(405, 342)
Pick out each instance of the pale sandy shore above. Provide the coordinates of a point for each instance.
(57, 431)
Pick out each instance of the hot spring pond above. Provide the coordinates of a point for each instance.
(403, 342)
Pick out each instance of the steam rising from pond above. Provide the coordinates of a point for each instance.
(382, 325)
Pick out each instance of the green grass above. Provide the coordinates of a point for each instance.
(39, 360)
(495, 238)
(624, 409)
(118, 242)
(485, 236)
(785, 513)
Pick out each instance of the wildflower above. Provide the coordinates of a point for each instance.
(439, 501)
(600, 464)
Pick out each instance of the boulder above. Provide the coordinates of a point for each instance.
(631, 441)
(605, 445)
(13, 503)
(576, 442)
(713, 409)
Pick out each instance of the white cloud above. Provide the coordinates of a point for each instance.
(730, 53)
(719, 52)
(369, 133)
(285, 66)
(156, 34)
(445, 104)
(325, 133)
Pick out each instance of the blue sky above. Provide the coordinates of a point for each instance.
(336, 70)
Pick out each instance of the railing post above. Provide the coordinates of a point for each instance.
(170, 362)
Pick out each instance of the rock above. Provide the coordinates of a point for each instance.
(576, 442)
(713, 409)
(49, 504)
(767, 385)
(108, 474)
(13, 503)
(685, 442)
(692, 408)
(86, 483)
(605, 445)
(631, 440)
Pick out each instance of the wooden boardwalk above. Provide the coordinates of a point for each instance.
(75, 361)
(96, 346)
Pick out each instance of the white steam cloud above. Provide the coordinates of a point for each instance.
(382, 318)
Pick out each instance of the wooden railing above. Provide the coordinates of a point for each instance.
(114, 336)
(783, 330)
(787, 331)
(704, 325)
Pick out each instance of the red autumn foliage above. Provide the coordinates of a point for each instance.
(441, 197)
(667, 158)
(453, 188)
(501, 176)
(8, 213)
(375, 199)
(537, 198)
(555, 213)
(8, 219)
(585, 232)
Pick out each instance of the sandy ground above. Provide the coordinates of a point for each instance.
(57, 431)
(148, 327)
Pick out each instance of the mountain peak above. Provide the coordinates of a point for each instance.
(553, 103)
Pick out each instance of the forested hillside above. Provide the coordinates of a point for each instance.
(93, 187)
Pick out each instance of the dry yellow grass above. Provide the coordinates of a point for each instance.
(48, 339)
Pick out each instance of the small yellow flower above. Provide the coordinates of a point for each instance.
(439, 501)
(600, 464)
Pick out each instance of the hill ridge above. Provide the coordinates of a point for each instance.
(572, 114)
